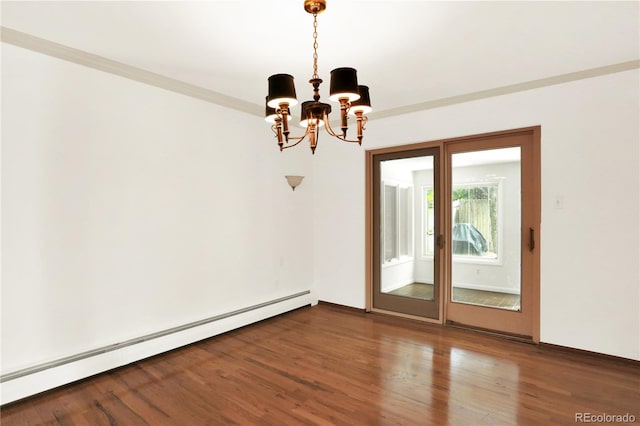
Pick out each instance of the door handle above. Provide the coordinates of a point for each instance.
(532, 239)
(440, 241)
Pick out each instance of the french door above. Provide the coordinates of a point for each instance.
(453, 231)
(407, 275)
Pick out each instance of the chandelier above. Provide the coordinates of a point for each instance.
(344, 89)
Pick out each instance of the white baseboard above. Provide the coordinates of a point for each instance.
(486, 288)
(21, 384)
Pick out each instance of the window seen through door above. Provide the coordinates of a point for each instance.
(428, 213)
(397, 222)
(475, 221)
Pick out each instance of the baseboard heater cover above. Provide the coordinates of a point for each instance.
(35, 379)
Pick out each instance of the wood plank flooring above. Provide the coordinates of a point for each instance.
(329, 365)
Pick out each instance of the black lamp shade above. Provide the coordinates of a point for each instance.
(315, 110)
(270, 114)
(281, 90)
(344, 84)
(305, 111)
(363, 104)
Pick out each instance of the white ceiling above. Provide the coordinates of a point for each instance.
(408, 52)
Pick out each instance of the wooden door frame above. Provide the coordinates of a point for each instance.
(370, 249)
(412, 307)
(535, 204)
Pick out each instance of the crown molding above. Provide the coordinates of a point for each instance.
(40, 45)
(504, 90)
(81, 57)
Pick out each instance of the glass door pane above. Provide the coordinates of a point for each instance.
(486, 223)
(407, 268)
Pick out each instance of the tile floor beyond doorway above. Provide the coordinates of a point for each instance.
(463, 295)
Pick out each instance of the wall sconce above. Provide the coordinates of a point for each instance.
(294, 181)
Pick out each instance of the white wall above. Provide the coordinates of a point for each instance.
(590, 284)
(127, 209)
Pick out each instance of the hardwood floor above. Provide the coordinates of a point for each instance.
(330, 365)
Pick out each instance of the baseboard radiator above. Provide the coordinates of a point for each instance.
(29, 381)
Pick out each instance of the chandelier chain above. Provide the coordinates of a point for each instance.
(315, 47)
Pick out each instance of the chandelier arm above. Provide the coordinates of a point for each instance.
(298, 139)
(329, 129)
(346, 140)
(291, 146)
(327, 125)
